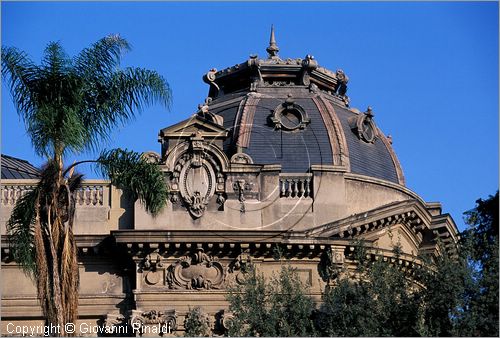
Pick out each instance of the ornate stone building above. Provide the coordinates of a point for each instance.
(275, 157)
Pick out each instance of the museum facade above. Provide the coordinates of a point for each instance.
(274, 158)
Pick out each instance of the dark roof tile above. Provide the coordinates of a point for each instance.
(15, 168)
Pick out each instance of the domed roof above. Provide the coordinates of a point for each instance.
(295, 113)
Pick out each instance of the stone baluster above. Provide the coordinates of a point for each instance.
(95, 195)
(307, 192)
(100, 196)
(282, 187)
(288, 185)
(5, 196)
(88, 197)
(301, 189)
(79, 196)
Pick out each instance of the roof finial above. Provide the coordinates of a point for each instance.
(273, 49)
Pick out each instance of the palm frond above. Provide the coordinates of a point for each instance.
(21, 75)
(57, 128)
(115, 100)
(140, 87)
(55, 60)
(102, 58)
(131, 172)
(20, 231)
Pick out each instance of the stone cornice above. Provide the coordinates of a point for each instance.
(410, 212)
(223, 243)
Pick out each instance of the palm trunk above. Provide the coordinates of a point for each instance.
(56, 252)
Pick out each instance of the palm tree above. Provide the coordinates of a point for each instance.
(70, 105)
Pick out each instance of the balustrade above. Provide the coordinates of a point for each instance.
(89, 195)
(295, 186)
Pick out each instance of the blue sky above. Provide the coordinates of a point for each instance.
(428, 69)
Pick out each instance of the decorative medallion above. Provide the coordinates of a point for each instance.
(289, 116)
(364, 127)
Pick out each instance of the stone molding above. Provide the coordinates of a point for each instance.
(336, 136)
(245, 124)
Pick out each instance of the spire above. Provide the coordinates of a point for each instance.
(273, 49)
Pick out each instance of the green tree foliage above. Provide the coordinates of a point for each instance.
(277, 307)
(196, 324)
(441, 299)
(377, 301)
(480, 316)
(69, 105)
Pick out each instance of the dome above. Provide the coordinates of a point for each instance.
(296, 113)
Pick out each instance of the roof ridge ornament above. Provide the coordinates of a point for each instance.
(273, 48)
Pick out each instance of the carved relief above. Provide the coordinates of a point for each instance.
(196, 272)
(331, 263)
(150, 266)
(308, 64)
(256, 78)
(151, 157)
(114, 324)
(151, 262)
(196, 177)
(313, 88)
(209, 78)
(166, 319)
(221, 200)
(240, 186)
(337, 255)
(241, 158)
(341, 86)
(238, 268)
